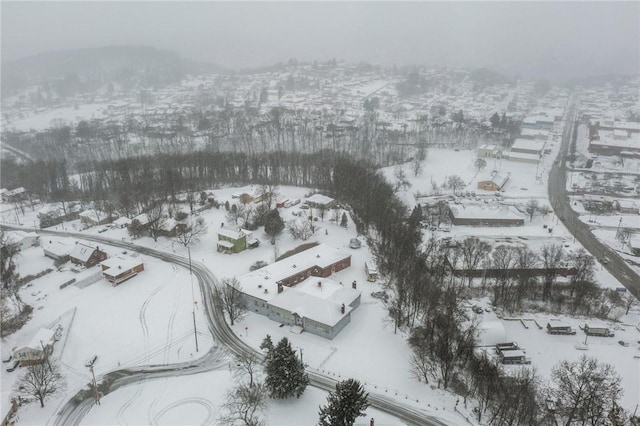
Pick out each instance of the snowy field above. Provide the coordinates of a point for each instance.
(149, 317)
(43, 120)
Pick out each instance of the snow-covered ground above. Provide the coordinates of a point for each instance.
(148, 319)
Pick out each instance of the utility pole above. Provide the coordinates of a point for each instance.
(96, 394)
(195, 331)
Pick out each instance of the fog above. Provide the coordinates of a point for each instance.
(542, 39)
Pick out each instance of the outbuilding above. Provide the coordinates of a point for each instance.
(37, 350)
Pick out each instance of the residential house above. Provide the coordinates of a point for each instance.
(23, 240)
(54, 214)
(320, 201)
(37, 350)
(489, 151)
(92, 217)
(230, 241)
(58, 250)
(122, 222)
(86, 255)
(117, 269)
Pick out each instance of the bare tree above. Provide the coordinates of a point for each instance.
(236, 212)
(584, 391)
(270, 194)
(229, 295)
(552, 256)
(41, 381)
(473, 251)
(532, 208)
(156, 220)
(247, 365)
(456, 183)
(629, 301)
(195, 228)
(300, 228)
(243, 405)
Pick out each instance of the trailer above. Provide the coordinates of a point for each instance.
(371, 271)
(514, 356)
(508, 346)
(560, 328)
(598, 330)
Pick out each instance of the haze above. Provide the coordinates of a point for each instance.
(541, 39)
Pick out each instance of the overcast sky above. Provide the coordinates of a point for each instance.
(553, 39)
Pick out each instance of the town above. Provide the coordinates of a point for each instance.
(453, 245)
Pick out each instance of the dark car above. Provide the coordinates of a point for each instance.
(13, 367)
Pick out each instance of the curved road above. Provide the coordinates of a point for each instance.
(79, 405)
(581, 231)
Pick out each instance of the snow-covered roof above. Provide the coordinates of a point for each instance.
(122, 221)
(142, 219)
(514, 353)
(116, 265)
(470, 211)
(634, 241)
(256, 282)
(94, 215)
(58, 248)
(320, 199)
(15, 237)
(528, 144)
(230, 233)
(321, 303)
(82, 251)
(42, 337)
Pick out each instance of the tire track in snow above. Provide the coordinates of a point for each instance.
(198, 401)
(143, 320)
(126, 405)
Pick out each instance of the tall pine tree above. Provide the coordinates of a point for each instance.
(345, 405)
(285, 372)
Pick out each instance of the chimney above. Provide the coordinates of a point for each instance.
(372, 422)
(342, 308)
(280, 288)
(319, 284)
(266, 291)
(354, 284)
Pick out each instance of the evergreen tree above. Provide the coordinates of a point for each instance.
(267, 344)
(345, 405)
(273, 223)
(285, 372)
(415, 217)
(344, 222)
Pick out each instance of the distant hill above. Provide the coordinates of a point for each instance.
(100, 64)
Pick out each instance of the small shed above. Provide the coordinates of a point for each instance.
(36, 351)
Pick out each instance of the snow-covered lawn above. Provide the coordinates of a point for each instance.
(147, 320)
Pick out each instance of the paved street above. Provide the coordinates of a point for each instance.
(616, 265)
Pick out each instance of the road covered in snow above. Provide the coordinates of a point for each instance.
(79, 405)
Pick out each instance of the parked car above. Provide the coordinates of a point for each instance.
(355, 243)
(15, 365)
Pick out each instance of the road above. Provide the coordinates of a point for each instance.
(616, 265)
(73, 411)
